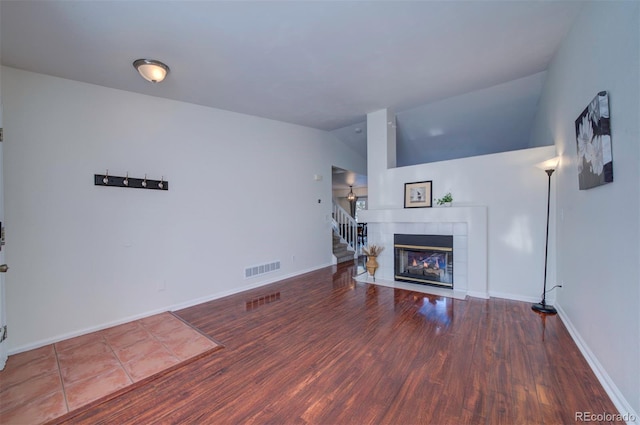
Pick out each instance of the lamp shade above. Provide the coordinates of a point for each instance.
(549, 164)
(151, 70)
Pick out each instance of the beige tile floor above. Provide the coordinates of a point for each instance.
(48, 382)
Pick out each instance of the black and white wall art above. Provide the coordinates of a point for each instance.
(593, 136)
(417, 194)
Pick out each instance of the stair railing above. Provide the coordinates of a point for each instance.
(345, 226)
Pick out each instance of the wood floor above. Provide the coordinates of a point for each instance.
(322, 349)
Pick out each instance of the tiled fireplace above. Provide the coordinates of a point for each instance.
(465, 226)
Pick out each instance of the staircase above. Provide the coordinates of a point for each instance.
(341, 250)
(345, 238)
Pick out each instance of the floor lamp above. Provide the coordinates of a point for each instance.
(542, 306)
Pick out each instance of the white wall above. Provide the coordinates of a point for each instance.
(598, 229)
(490, 120)
(514, 191)
(242, 192)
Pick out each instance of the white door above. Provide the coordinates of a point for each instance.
(3, 314)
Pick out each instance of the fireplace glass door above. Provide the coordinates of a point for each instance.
(424, 259)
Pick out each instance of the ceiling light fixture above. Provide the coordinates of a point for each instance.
(351, 196)
(151, 70)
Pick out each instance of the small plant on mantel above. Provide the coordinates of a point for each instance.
(447, 199)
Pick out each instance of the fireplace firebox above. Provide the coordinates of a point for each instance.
(424, 259)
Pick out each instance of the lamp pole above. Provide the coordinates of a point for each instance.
(542, 306)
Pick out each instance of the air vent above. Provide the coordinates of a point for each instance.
(261, 269)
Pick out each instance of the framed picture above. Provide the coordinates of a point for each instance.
(593, 138)
(417, 194)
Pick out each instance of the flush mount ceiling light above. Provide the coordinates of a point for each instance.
(151, 70)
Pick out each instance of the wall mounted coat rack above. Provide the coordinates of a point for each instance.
(135, 183)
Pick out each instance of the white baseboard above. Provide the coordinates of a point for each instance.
(514, 297)
(477, 294)
(625, 409)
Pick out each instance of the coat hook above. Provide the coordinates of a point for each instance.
(105, 180)
(161, 184)
(126, 180)
(144, 182)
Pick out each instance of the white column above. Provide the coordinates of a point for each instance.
(381, 152)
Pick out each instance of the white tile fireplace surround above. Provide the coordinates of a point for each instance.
(468, 225)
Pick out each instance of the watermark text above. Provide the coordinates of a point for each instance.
(604, 417)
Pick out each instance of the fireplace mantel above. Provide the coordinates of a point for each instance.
(475, 214)
(466, 223)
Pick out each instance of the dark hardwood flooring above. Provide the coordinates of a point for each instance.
(322, 349)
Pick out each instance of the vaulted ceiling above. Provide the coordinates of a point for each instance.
(322, 64)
